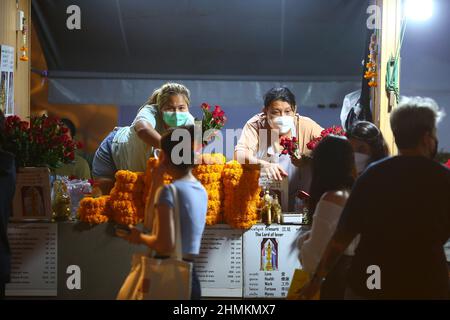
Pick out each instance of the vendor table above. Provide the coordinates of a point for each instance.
(47, 258)
(102, 258)
(69, 260)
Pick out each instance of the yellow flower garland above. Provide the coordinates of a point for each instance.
(94, 210)
(209, 173)
(126, 198)
(233, 194)
(242, 194)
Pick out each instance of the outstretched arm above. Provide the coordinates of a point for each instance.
(147, 133)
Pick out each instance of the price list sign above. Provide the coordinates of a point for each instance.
(33, 259)
(219, 265)
(269, 260)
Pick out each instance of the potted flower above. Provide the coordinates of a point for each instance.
(42, 142)
(38, 145)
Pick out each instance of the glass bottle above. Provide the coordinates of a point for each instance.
(61, 201)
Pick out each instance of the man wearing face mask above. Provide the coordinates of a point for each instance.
(260, 140)
(400, 206)
(128, 148)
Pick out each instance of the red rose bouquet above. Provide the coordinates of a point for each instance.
(290, 147)
(41, 142)
(212, 121)
(335, 130)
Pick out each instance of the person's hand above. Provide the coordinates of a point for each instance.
(134, 236)
(310, 289)
(304, 237)
(298, 162)
(274, 171)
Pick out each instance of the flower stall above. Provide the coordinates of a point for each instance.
(233, 194)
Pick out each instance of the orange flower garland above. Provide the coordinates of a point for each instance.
(209, 173)
(242, 194)
(94, 210)
(233, 189)
(126, 197)
(371, 74)
(233, 194)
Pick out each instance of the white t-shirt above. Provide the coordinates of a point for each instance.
(326, 218)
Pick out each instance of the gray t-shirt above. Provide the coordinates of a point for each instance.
(193, 204)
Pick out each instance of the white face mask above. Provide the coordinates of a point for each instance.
(361, 161)
(284, 124)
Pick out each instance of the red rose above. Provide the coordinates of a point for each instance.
(13, 119)
(290, 146)
(448, 164)
(310, 145)
(69, 155)
(69, 144)
(79, 145)
(218, 112)
(62, 139)
(212, 119)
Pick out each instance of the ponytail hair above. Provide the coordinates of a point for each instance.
(153, 99)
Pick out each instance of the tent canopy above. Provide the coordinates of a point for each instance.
(204, 39)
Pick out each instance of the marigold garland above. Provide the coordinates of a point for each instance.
(371, 74)
(233, 192)
(241, 186)
(211, 158)
(209, 173)
(126, 198)
(94, 210)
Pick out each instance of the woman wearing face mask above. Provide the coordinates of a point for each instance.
(128, 148)
(368, 144)
(333, 178)
(260, 139)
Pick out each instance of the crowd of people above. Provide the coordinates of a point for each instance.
(379, 222)
(382, 235)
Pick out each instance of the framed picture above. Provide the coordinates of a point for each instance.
(32, 200)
